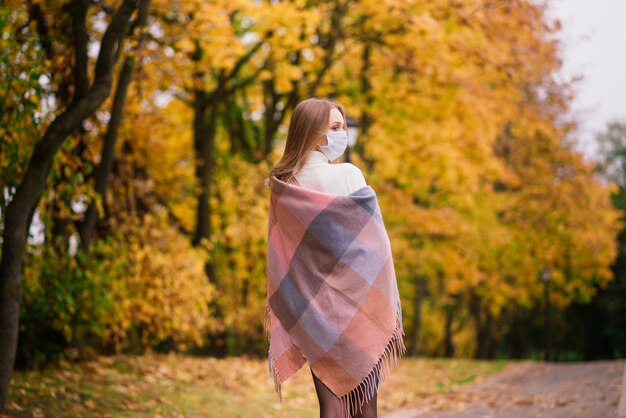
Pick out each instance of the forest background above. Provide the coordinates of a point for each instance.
(136, 135)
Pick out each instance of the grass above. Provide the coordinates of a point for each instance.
(157, 385)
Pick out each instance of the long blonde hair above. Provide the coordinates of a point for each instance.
(308, 120)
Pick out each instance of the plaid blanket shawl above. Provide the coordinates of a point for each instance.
(332, 296)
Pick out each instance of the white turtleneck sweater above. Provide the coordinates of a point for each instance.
(338, 179)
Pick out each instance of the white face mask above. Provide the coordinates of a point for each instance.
(337, 143)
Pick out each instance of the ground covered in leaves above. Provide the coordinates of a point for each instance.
(157, 385)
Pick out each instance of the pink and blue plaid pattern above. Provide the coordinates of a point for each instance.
(332, 295)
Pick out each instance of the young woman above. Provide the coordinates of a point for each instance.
(308, 161)
(330, 302)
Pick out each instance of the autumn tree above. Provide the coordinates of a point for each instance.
(441, 90)
(103, 170)
(86, 99)
(464, 133)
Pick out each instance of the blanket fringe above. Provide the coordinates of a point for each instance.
(360, 395)
(270, 360)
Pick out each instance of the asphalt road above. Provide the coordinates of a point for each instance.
(536, 390)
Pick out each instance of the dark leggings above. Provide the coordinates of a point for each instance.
(330, 405)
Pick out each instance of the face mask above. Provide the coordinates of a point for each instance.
(337, 143)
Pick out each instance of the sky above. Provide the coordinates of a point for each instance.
(593, 39)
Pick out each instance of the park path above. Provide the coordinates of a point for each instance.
(536, 390)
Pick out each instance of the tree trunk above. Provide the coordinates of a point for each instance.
(449, 348)
(79, 81)
(102, 173)
(236, 125)
(204, 131)
(517, 338)
(476, 311)
(420, 292)
(275, 117)
(485, 341)
(3, 204)
(21, 209)
(490, 338)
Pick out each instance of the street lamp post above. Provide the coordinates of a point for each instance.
(353, 131)
(545, 276)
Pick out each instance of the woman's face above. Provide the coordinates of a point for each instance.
(335, 123)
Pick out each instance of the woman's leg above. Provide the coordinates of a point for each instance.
(369, 409)
(330, 405)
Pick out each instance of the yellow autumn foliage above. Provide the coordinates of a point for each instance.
(163, 293)
(464, 136)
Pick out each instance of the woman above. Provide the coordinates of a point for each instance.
(318, 120)
(332, 295)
